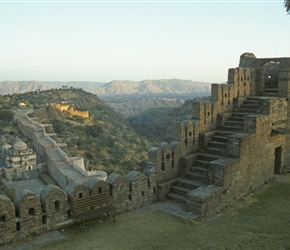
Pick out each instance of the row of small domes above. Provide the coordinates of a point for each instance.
(17, 146)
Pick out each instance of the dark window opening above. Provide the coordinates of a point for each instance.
(18, 226)
(278, 160)
(226, 95)
(154, 190)
(130, 197)
(208, 113)
(222, 102)
(100, 190)
(80, 195)
(56, 205)
(172, 163)
(143, 193)
(44, 221)
(111, 191)
(31, 211)
(185, 142)
(163, 166)
(148, 183)
(245, 83)
(204, 120)
(190, 134)
(212, 120)
(68, 213)
(168, 156)
(2, 218)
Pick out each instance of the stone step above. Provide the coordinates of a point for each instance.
(232, 128)
(198, 176)
(270, 94)
(250, 101)
(236, 118)
(223, 133)
(239, 114)
(202, 163)
(189, 183)
(235, 123)
(180, 190)
(176, 197)
(217, 151)
(219, 138)
(271, 90)
(199, 169)
(247, 110)
(217, 144)
(206, 158)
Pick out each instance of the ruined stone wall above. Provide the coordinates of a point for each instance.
(255, 164)
(222, 99)
(165, 160)
(73, 112)
(54, 208)
(204, 118)
(277, 68)
(61, 107)
(7, 220)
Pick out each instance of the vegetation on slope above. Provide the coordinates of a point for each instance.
(157, 123)
(105, 139)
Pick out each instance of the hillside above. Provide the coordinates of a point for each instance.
(136, 105)
(153, 87)
(157, 123)
(11, 87)
(117, 87)
(105, 139)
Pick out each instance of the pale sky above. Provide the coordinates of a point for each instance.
(130, 40)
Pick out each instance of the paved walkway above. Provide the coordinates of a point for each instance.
(169, 207)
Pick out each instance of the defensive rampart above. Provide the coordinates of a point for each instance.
(233, 144)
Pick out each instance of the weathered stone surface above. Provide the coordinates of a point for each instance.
(7, 220)
(234, 143)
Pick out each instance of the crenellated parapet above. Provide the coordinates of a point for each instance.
(165, 160)
(224, 98)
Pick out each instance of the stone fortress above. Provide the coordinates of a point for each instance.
(234, 144)
(70, 110)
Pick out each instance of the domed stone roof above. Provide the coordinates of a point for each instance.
(20, 145)
(6, 146)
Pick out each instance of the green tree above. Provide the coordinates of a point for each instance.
(287, 5)
(6, 116)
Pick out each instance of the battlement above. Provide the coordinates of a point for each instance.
(234, 143)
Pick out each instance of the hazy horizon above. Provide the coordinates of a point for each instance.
(100, 41)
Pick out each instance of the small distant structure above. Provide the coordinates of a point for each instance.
(69, 110)
(19, 155)
(18, 160)
(21, 105)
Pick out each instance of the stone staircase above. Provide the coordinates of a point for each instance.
(198, 174)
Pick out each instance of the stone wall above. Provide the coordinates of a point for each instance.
(54, 208)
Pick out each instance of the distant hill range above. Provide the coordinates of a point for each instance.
(166, 87)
